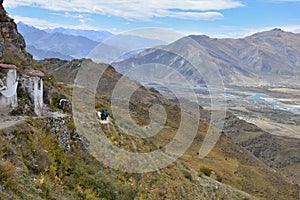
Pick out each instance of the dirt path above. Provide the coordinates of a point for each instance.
(9, 121)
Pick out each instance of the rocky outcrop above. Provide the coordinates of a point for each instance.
(3, 14)
(62, 127)
(12, 43)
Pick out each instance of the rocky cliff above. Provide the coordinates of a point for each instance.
(12, 43)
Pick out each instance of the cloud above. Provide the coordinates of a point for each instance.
(69, 15)
(82, 18)
(191, 15)
(43, 24)
(286, 1)
(291, 28)
(136, 9)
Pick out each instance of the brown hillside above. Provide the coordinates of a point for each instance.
(228, 162)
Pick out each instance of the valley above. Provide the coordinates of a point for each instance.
(273, 109)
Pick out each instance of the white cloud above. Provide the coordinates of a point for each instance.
(43, 24)
(82, 18)
(69, 15)
(191, 15)
(291, 28)
(137, 9)
(285, 1)
(167, 35)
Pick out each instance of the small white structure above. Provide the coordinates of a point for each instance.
(102, 121)
(8, 86)
(32, 82)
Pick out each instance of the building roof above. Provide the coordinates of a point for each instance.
(7, 66)
(34, 73)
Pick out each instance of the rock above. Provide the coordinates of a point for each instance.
(12, 43)
(60, 126)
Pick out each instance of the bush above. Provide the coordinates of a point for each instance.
(7, 170)
(187, 175)
(206, 171)
(12, 57)
(219, 178)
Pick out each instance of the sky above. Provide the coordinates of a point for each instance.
(214, 18)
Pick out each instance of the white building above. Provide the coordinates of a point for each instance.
(32, 82)
(8, 86)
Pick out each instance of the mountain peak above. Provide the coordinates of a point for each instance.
(276, 32)
(199, 36)
(277, 29)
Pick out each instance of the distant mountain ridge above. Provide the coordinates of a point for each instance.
(121, 47)
(67, 44)
(40, 54)
(59, 44)
(258, 58)
(97, 36)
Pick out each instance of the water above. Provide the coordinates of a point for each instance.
(268, 100)
(256, 97)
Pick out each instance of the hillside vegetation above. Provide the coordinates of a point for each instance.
(227, 163)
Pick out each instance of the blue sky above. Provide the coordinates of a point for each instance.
(215, 18)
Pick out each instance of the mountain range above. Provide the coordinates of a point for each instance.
(263, 58)
(97, 36)
(121, 47)
(55, 44)
(68, 44)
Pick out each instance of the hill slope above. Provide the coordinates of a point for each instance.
(229, 162)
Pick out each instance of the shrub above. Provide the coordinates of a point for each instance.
(219, 178)
(12, 57)
(187, 174)
(206, 171)
(7, 170)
